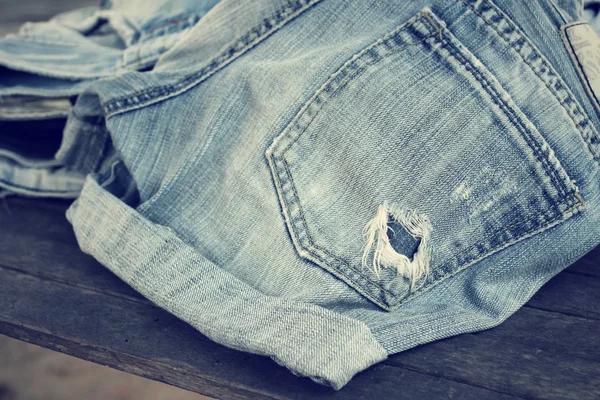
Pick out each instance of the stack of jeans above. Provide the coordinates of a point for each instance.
(47, 65)
(324, 182)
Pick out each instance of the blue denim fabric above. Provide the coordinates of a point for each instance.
(60, 57)
(241, 183)
(47, 62)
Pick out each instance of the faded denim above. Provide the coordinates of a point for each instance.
(46, 63)
(61, 57)
(328, 182)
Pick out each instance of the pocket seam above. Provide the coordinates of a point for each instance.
(256, 35)
(319, 247)
(584, 126)
(533, 231)
(509, 112)
(350, 77)
(567, 202)
(297, 125)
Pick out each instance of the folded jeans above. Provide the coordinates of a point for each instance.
(328, 182)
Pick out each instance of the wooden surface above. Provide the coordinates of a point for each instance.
(53, 295)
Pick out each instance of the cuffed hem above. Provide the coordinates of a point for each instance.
(309, 340)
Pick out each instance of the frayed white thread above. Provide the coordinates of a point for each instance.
(384, 255)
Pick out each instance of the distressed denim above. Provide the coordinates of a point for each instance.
(329, 182)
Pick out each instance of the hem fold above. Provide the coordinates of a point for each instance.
(309, 340)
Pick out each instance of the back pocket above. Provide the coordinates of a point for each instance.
(412, 163)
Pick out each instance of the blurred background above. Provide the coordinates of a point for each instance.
(29, 372)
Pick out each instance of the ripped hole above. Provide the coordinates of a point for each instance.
(401, 240)
(384, 239)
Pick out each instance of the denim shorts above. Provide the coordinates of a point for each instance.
(329, 182)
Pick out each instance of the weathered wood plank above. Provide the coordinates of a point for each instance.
(515, 369)
(534, 354)
(147, 341)
(40, 241)
(568, 293)
(589, 265)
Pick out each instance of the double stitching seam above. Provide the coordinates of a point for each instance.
(568, 213)
(347, 79)
(354, 62)
(548, 220)
(246, 42)
(361, 68)
(510, 113)
(271, 25)
(588, 137)
(550, 216)
(312, 241)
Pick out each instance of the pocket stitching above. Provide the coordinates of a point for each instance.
(584, 126)
(361, 67)
(442, 277)
(509, 112)
(572, 210)
(298, 128)
(321, 248)
(568, 202)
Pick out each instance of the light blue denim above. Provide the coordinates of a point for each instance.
(48, 62)
(237, 184)
(61, 57)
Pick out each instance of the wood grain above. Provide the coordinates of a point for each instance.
(55, 296)
(147, 341)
